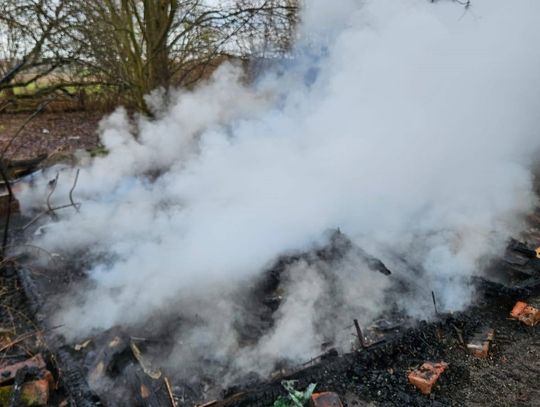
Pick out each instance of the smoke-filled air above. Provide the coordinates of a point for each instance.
(409, 125)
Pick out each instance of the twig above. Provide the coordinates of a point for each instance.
(5, 105)
(53, 188)
(459, 335)
(169, 390)
(26, 336)
(20, 339)
(434, 303)
(13, 71)
(50, 209)
(359, 333)
(56, 208)
(76, 206)
(8, 209)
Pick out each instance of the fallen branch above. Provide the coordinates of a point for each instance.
(359, 334)
(50, 209)
(169, 391)
(20, 339)
(76, 206)
(26, 336)
(53, 188)
(56, 208)
(434, 303)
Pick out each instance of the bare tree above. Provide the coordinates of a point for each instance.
(131, 47)
(33, 41)
(141, 45)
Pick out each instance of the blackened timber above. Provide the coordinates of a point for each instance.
(340, 245)
(492, 288)
(74, 382)
(69, 373)
(434, 303)
(359, 334)
(522, 248)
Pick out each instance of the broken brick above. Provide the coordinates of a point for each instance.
(425, 377)
(479, 345)
(525, 313)
(8, 373)
(326, 399)
(145, 391)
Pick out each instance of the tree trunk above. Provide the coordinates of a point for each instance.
(157, 14)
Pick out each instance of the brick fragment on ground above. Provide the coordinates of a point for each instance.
(35, 393)
(326, 399)
(8, 373)
(481, 342)
(525, 313)
(425, 377)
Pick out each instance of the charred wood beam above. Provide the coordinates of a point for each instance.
(434, 303)
(360, 334)
(492, 288)
(340, 246)
(74, 382)
(70, 376)
(522, 248)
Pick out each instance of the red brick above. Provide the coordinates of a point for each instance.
(525, 313)
(8, 373)
(480, 344)
(327, 399)
(427, 375)
(36, 393)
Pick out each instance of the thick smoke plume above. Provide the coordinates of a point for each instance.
(410, 125)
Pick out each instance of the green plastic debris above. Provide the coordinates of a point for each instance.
(295, 397)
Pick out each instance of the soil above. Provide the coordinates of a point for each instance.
(51, 133)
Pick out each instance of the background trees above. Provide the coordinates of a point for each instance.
(127, 48)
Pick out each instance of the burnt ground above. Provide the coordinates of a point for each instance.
(375, 376)
(372, 376)
(21, 335)
(378, 376)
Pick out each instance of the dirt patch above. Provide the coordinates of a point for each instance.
(57, 134)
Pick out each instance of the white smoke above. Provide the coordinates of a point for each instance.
(413, 131)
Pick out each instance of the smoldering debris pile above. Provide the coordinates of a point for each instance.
(467, 349)
(194, 250)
